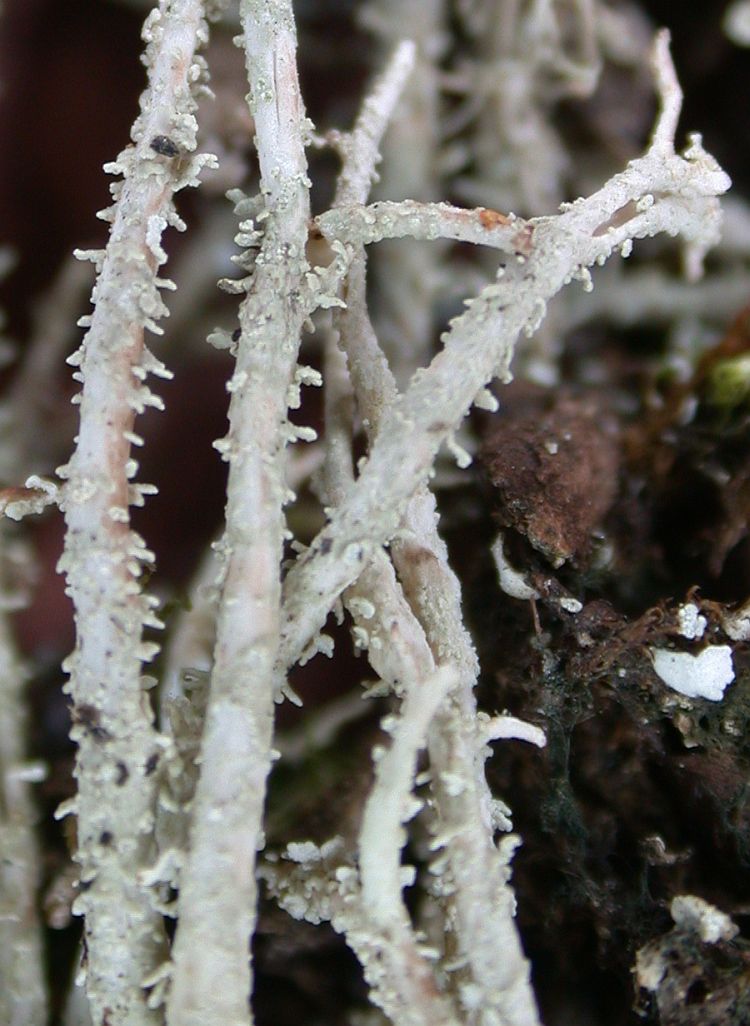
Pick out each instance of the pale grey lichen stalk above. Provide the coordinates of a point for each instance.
(408, 635)
(659, 192)
(530, 56)
(218, 895)
(407, 984)
(378, 926)
(23, 426)
(23, 988)
(405, 277)
(118, 748)
(23, 993)
(409, 219)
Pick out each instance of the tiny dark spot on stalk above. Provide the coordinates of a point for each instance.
(164, 146)
(89, 717)
(122, 774)
(325, 546)
(151, 763)
(236, 334)
(106, 837)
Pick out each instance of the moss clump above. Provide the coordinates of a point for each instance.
(728, 384)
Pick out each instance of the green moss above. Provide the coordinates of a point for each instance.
(728, 384)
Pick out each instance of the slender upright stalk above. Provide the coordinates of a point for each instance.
(23, 997)
(118, 747)
(218, 893)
